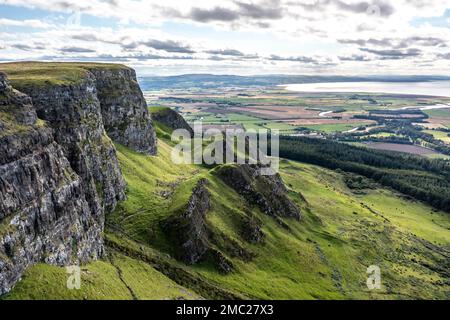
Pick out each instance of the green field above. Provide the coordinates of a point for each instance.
(439, 135)
(249, 122)
(255, 123)
(323, 256)
(438, 156)
(329, 128)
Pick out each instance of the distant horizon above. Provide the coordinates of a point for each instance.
(427, 85)
(212, 73)
(299, 75)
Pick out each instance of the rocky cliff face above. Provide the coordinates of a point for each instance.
(59, 173)
(124, 109)
(74, 113)
(44, 215)
(188, 230)
(266, 192)
(171, 119)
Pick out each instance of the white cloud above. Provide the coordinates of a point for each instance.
(244, 13)
(33, 23)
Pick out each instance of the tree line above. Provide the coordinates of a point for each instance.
(421, 178)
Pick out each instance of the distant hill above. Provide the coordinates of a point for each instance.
(206, 81)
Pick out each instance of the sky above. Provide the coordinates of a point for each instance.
(169, 37)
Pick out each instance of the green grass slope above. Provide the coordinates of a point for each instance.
(118, 278)
(323, 256)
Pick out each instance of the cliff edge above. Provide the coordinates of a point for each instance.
(44, 214)
(59, 172)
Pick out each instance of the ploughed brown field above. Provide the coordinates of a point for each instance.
(439, 122)
(300, 122)
(278, 112)
(296, 116)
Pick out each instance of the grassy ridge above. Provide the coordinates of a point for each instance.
(326, 255)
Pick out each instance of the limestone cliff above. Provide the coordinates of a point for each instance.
(74, 113)
(124, 109)
(44, 215)
(59, 173)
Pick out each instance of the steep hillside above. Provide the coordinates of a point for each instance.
(119, 277)
(325, 255)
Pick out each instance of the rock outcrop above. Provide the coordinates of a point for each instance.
(251, 229)
(188, 230)
(195, 240)
(124, 109)
(267, 192)
(74, 113)
(171, 119)
(44, 215)
(222, 264)
(59, 172)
